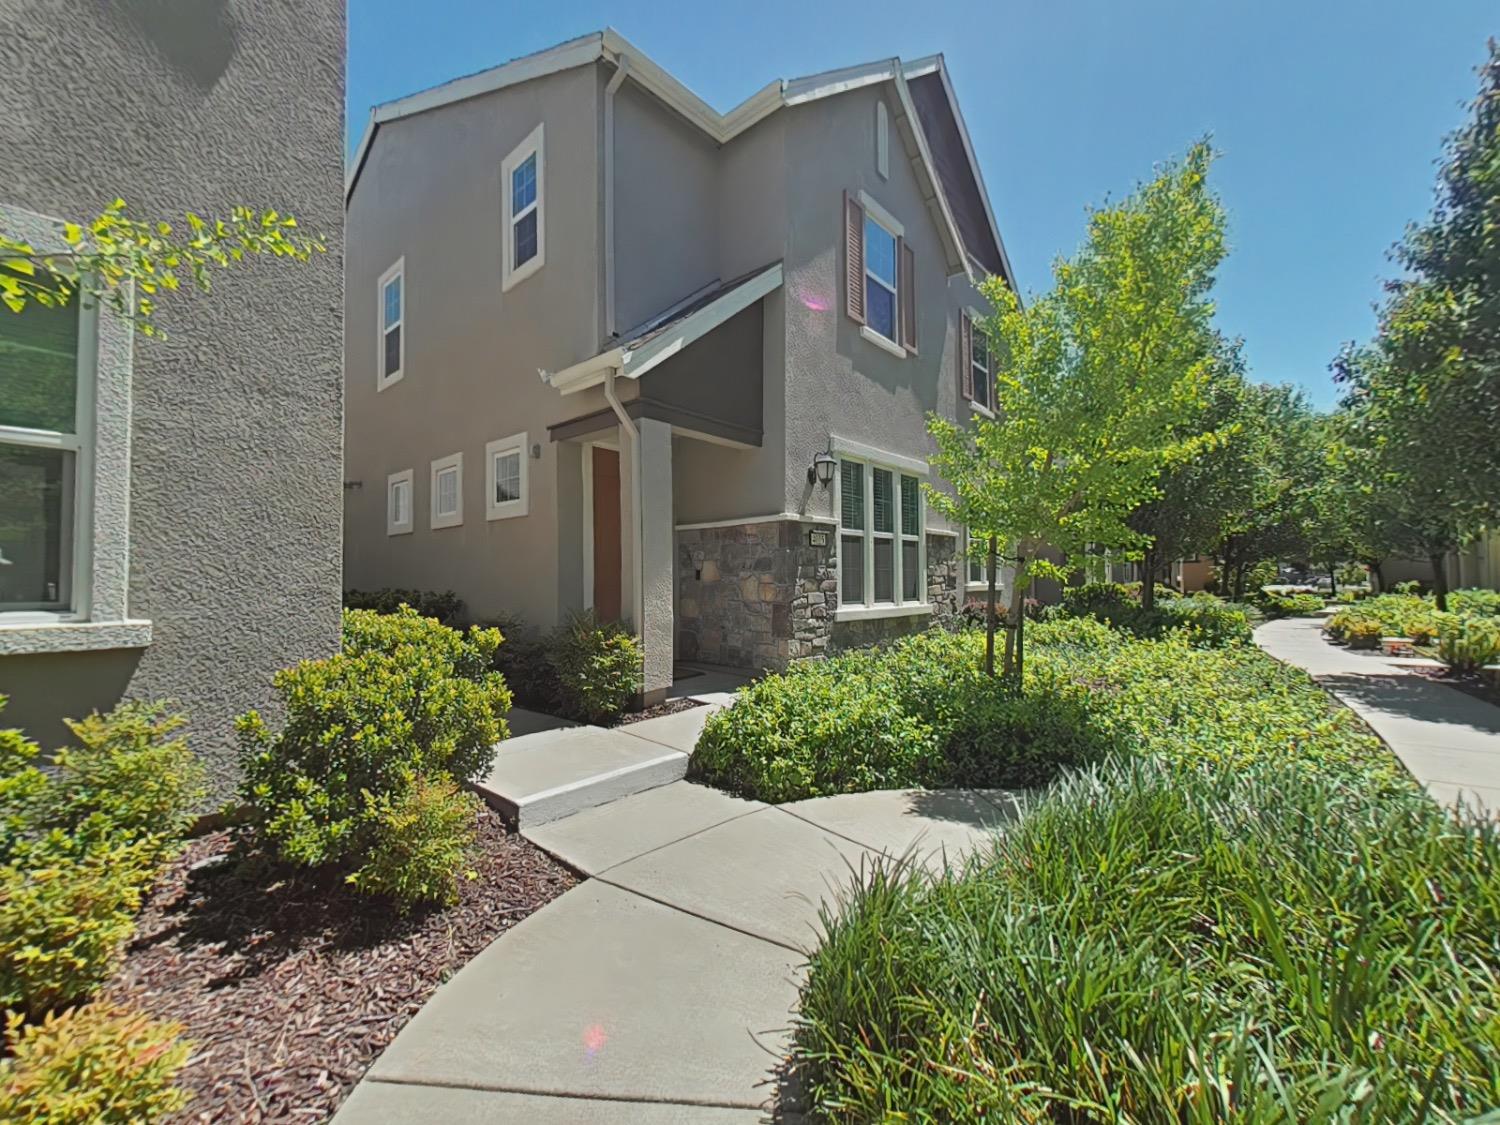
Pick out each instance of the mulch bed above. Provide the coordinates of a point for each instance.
(669, 707)
(290, 985)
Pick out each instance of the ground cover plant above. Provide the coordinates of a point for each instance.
(1289, 605)
(1168, 942)
(1207, 621)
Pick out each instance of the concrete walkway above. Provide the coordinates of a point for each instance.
(662, 988)
(1449, 741)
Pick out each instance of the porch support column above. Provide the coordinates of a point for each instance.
(657, 557)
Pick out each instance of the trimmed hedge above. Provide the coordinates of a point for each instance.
(446, 607)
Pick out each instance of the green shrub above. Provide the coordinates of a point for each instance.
(1290, 605)
(1206, 621)
(524, 658)
(1467, 644)
(420, 837)
(1363, 634)
(598, 667)
(65, 913)
(447, 607)
(405, 699)
(94, 1064)
(1082, 632)
(1475, 602)
(1005, 741)
(81, 841)
(1161, 944)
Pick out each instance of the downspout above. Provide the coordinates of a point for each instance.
(633, 441)
(622, 68)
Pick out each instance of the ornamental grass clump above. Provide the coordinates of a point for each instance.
(370, 738)
(1161, 943)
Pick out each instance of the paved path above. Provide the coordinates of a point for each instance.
(1449, 741)
(661, 989)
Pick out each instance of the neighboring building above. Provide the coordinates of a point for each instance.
(170, 514)
(604, 346)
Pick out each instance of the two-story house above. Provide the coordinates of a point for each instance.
(607, 347)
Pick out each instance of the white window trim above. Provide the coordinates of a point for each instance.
(98, 614)
(898, 467)
(382, 380)
(882, 140)
(454, 518)
(893, 227)
(987, 409)
(494, 510)
(392, 527)
(515, 275)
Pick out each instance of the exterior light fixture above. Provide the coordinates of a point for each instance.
(821, 470)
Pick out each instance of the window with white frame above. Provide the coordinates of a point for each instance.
(64, 467)
(522, 177)
(448, 491)
(977, 550)
(882, 552)
(392, 298)
(880, 278)
(505, 486)
(979, 359)
(398, 517)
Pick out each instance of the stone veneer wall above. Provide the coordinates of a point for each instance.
(760, 595)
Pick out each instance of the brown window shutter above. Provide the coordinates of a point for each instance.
(908, 283)
(965, 356)
(854, 259)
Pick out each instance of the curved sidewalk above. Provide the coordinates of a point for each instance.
(1449, 741)
(662, 988)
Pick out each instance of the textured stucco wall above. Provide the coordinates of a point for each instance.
(235, 443)
(430, 192)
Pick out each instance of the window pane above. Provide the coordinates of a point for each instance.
(852, 567)
(400, 502)
(39, 367)
(507, 477)
(447, 492)
(36, 503)
(976, 570)
(392, 301)
(880, 308)
(885, 570)
(393, 350)
(523, 185)
(852, 495)
(880, 252)
(525, 239)
(884, 501)
(911, 575)
(910, 506)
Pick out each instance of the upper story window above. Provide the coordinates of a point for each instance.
(64, 468)
(879, 276)
(979, 362)
(881, 549)
(392, 298)
(976, 371)
(447, 491)
(523, 183)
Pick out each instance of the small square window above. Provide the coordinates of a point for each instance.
(505, 488)
(398, 514)
(448, 491)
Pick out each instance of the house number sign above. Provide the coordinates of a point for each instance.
(817, 537)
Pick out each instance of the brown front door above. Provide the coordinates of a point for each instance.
(606, 533)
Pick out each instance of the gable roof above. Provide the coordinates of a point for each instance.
(913, 121)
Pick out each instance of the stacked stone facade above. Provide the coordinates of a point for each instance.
(761, 595)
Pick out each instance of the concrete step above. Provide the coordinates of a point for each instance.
(545, 776)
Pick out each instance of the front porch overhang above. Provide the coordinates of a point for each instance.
(681, 420)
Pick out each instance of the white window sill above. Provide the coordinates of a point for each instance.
(514, 277)
(870, 612)
(27, 637)
(881, 342)
(984, 410)
(384, 382)
(983, 588)
(507, 511)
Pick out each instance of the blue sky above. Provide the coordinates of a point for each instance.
(1329, 114)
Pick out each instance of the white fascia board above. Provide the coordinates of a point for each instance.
(640, 360)
(830, 82)
(963, 131)
(589, 373)
(910, 127)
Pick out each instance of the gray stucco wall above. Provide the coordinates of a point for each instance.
(430, 192)
(235, 447)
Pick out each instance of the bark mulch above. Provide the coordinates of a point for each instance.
(669, 707)
(290, 985)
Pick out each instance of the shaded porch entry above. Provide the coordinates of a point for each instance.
(604, 478)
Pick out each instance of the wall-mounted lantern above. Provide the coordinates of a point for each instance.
(821, 470)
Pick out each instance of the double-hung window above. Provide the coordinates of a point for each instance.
(447, 491)
(979, 361)
(879, 276)
(881, 545)
(523, 183)
(392, 360)
(64, 466)
(505, 466)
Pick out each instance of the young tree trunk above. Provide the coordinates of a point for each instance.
(1014, 622)
(1377, 578)
(989, 617)
(1439, 581)
(1239, 582)
(1333, 580)
(1148, 579)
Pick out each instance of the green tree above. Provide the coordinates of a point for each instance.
(126, 263)
(1098, 381)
